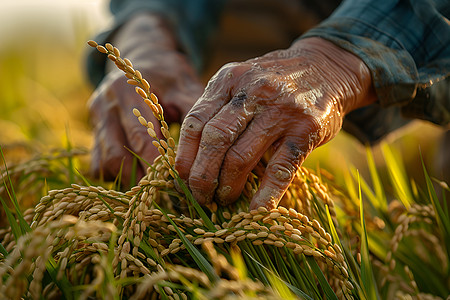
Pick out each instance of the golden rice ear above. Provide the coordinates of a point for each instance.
(92, 43)
(142, 87)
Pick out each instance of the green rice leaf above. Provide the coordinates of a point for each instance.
(354, 272)
(70, 166)
(380, 198)
(267, 271)
(281, 267)
(24, 226)
(118, 180)
(280, 287)
(364, 187)
(110, 257)
(239, 264)
(254, 266)
(3, 250)
(309, 274)
(140, 158)
(444, 201)
(133, 172)
(200, 260)
(349, 183)
(329, 293)
(15, 228)
(111, 246)
(193, 288)
(368, 280)
(430, 275)
(63, 284)
(209, 224)
(334, 233)
(441, 216)
(296, 270)
(100, 197)
(398, 176)
(149, 251)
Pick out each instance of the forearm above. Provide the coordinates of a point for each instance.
(144, 35)
(405, 46)
(404, 43)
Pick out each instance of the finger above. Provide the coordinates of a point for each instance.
(109, 154)
(179, 105)
(136, 135)
(243, 157)
(216, 95)
(279, 173)
(178, 101)
(217, 137)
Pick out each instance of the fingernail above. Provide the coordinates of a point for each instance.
(266, 197)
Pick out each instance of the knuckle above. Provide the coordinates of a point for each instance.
(229, 71)
(136, 133)
(315, 123)
(239, 99)
(137, 139)
(310, 123)
(263, 81)
(295, 152)
(193, 122)
(95, 102)
(282, 174)
(214, 135)
(314, 130)
(266, 85)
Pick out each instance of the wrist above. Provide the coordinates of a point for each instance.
(145, 35)
(347, 69)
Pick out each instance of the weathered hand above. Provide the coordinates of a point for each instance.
(115, 127)
(294, 100)
(111, 106)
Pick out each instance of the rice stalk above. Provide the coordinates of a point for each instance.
(153, 241)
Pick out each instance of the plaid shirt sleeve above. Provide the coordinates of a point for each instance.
(406, 45)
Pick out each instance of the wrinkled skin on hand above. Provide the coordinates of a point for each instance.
(111, 106)
(115, 128)
(293, 100)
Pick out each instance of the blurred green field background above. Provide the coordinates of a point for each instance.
(43, 87)
(44, 90)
